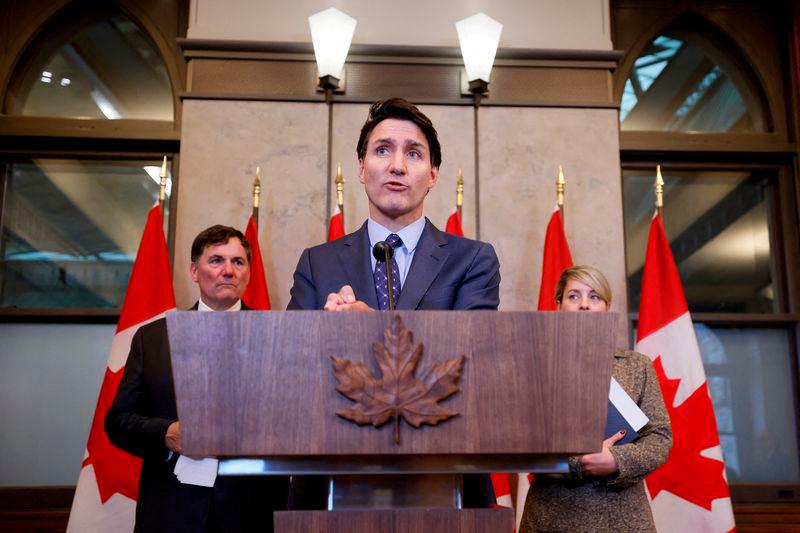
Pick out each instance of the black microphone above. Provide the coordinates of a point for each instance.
(383, 252)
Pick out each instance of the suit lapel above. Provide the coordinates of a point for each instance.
(358, 265)
(429, 257)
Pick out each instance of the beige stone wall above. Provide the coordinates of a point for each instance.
(520, 150)
(222, 142)
(556, 24)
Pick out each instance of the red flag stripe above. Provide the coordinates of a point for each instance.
(555, 259)
(336, 225)
(256, 295)
(660, 277)
(453, 226)
(147, 276)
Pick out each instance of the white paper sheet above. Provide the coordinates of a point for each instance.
(202, 472)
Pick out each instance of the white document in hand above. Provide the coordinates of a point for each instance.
(202, 472)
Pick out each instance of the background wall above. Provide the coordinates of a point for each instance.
(520, 150)
(50, 376)
(556, 24)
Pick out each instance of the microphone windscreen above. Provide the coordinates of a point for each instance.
(382, 251)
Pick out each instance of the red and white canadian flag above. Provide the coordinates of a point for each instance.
(336, 225)
(108, 485)
(256, 295)
(453, 225)
(555, 259)
(689, 492)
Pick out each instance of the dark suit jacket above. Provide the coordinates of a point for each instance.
(137, 422)
(447, 272)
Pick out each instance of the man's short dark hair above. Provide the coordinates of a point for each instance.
(218, 234)
(401, 109)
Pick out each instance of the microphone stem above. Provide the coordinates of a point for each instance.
(389, 278)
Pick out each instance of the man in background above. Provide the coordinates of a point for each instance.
(143, 418)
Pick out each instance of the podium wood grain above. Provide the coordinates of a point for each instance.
(396, 521)
(261, 383)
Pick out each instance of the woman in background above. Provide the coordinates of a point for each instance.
(604, 491)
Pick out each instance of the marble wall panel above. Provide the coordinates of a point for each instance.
(222, 142)
(520, 150)
(556, 24)
(455, 127)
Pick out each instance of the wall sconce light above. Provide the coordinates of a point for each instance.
(479, 36)
(331, 32)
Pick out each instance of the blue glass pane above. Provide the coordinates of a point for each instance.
(717, 224)
(749, 378)
(71, 229)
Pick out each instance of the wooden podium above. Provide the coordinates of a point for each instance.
(257, 390)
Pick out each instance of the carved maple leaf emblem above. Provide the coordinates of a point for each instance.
(687, 474)
(397, 392)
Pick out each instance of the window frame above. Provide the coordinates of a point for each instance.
(635, 23)
(30, 137)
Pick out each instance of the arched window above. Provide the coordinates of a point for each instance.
(684, 81)
(89, 111)
(707, 101)
(98, 66)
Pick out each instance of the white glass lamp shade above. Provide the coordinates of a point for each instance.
(479, 36)
(332, 32)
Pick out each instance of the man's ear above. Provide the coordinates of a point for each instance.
(361, 170)
(193, 271)
(434, 177)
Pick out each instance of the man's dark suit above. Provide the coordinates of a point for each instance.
(447, 273)
(137, 422)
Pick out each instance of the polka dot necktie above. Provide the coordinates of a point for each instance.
(381, 281)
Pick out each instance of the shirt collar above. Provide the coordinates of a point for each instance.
(201, 306)
(410, 234)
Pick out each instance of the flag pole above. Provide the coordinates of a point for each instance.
(340, 190)
(162, 184)
(459, 192)
(659, 187)
(256, 194)
(560, 186)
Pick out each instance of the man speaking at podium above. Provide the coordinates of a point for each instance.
(398, 162)
(177, 493)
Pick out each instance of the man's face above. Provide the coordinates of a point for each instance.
(396, 172)
(222, 273)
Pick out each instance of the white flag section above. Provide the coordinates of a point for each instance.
(523, 485)
(108, 484)
(690, 491)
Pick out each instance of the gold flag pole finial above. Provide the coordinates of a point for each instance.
(339, 187)
(560, 186)
(460, 189)
(659, 187)
(162, 183)
(256, 194)
(257, 189)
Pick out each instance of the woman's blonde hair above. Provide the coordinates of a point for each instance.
(588, 275)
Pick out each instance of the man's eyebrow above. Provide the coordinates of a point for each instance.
(414, 144)
(384, 140)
